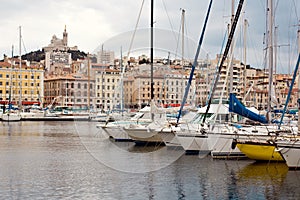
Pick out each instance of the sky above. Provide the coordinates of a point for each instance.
(96, 24)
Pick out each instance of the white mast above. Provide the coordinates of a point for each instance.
(245, 56)
(122, 81)
(20, 71)
(89, 81)
(182, 50)
(270, 54)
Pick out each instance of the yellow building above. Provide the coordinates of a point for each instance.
(25, 85)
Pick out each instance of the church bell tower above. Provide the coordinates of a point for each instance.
(65, 37)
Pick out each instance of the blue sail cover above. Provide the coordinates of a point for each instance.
(237, 107)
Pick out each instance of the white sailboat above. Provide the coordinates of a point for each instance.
(289, 149)
(115, 129)
(12, 114)
(264, 149)
(194, 137)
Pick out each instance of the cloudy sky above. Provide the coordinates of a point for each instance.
(93, 23)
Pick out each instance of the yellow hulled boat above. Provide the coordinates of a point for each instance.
(262, 151)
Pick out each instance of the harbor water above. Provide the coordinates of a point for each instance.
(75, 160)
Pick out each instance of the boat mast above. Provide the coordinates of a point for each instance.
(245, 57)
(194, 63)
(182, 50)
(231, 49)
(122, 69)
(182, 36)
(20, 71)
(229, 40)
(10, 84)
(151, 57)
(270, 55)
(88, 92)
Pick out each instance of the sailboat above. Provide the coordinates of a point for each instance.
(264, 149)
(289, 147)
(194, 137)
(141, 133)
(11, 114)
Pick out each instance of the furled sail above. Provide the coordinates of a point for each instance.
(237, 107)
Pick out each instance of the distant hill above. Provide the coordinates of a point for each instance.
(77, 54)
(40, 55)
(34, 56)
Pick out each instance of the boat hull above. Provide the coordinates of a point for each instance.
(143, 134)
(290, 151)
(115, 132)
(194, 142)
(11, 117)
(261, 151)
(221, 146)
(32, 115)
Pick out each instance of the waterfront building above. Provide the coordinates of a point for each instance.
(202, 84)
(224, 79)
(108, 87)
(283, 82)
(169, 86)
(25, 84)
(75, 90)
(106, 57)
(259, 92)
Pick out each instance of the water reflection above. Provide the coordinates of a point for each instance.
(266, 179)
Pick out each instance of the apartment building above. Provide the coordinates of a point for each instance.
(23, 85)
(108, 88)
(168, 88)
(73, 90)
